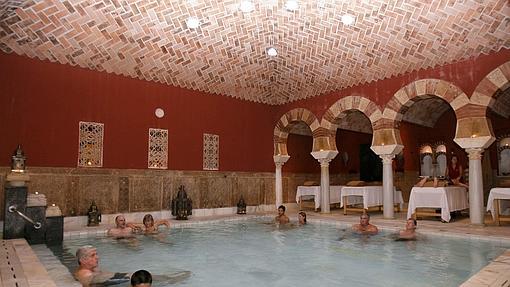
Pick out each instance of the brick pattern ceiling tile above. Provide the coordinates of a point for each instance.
(149, 39)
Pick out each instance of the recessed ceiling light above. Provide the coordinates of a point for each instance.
(272, 52)
(291, 5)
(192, 22)
(246, 6)
(347, 19)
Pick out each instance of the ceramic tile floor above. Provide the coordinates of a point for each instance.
(495, 274)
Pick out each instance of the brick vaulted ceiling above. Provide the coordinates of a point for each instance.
(226, 55)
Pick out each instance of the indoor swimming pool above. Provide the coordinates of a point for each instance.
(258, 253)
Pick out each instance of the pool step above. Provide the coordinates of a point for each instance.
(20, 267)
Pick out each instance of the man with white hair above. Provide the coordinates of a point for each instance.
(88, 273)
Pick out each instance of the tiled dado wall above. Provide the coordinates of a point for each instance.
(121, 190)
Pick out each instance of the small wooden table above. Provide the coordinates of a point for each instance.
(496, 196)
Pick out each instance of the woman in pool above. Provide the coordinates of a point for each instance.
(302, 218)
(150, 226)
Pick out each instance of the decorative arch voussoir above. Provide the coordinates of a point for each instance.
(282, 127)
(407, 95)
(490, 87)
(359, 103)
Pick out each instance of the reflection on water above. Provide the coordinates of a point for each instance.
(261, 253)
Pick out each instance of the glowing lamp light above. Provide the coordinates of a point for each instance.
(347, 19)
(272, 52)
(246, 6)
(291, 5)
(193, 22)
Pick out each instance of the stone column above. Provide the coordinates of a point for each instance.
(476, 210)
(279, 161)
(475, 142)
(387, 153)
(388, 201)
(324, 157)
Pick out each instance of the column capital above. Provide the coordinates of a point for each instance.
(391, 149)
(475, 153)
(324, 162)
(280, 160)
(324, 154)
(387, 158)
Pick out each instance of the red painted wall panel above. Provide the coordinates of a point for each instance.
(41, 104)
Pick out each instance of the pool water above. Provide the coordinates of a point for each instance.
(257, 253)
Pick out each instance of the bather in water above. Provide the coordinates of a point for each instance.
(88, 273)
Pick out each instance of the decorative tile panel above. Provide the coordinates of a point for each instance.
(90, 153)
(211, 152)
(158, 149)
(226, 55)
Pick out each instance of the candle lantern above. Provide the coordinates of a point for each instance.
(181, 205)
(94, 215)
(241, 206)
(18, 160)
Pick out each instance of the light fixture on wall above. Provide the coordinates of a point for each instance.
(159, 112)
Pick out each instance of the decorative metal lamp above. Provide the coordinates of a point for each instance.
(181, 205)
(18, 160)
(94, 215)
(241, 206)
(18, 176)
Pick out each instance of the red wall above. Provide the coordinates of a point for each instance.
(466, 75)
(41, 104)
(299, 148)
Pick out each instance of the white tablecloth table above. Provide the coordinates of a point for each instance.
(497, 193)
(315, 191)
(450, 198)
(368, 195)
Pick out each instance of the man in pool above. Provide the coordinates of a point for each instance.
(123, 229)
(364, 226)
(89, 274)
(410, 232)
(281, 218)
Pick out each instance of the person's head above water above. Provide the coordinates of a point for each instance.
(364, 219)
(120, 221)
(148, 220)
(302, 217)
(281, 210)
(411, 224)
(87, 257)
(141, 278)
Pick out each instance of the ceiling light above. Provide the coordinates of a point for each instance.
(272, 52)
(192, 22)
(246, 6)
(347, 19)
(291, 5)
